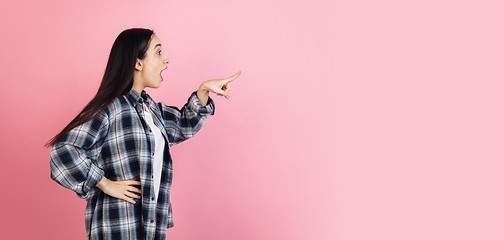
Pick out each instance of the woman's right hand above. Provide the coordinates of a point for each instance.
(120, 189)
(219, 86)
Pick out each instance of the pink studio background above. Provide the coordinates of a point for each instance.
(351, 120)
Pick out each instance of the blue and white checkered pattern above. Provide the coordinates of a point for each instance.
(118, 144)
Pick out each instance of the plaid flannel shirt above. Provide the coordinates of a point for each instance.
(118, 144)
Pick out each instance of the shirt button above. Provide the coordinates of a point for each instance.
(153, 198)
(152, 176)
(152, 154)
(151, 221)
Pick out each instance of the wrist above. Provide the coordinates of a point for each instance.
(203, 94)
(202, 88)
(103, 184)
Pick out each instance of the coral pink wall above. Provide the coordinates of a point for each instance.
(352, 120)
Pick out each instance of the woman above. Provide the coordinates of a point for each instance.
(116, 152)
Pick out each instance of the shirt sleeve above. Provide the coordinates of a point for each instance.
(182, 124)
(74, 158)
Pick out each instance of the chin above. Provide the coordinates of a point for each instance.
(154, 86)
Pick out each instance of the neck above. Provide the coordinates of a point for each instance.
(138, 88)
(136, 82)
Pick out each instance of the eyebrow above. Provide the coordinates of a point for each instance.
(158, 45)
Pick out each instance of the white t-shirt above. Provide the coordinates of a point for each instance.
(158, 152)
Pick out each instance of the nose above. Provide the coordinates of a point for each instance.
(166, 61)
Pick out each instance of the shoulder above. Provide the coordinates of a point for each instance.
(118, 108)
(120, 105)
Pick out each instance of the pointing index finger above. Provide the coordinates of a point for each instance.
(234, 76)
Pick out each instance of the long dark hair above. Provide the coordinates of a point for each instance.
(130, 45)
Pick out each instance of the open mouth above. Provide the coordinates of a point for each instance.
(160, 74)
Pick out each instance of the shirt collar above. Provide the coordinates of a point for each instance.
(137, 97)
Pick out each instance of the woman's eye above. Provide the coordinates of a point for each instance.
(159, 53)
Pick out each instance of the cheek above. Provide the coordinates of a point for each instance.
(151, 71)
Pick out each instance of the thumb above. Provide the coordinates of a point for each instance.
(225, 94)
(221, 92)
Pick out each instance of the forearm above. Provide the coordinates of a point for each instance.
(64, 159)
(203, 94)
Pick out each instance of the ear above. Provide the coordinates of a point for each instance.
(139, 65)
